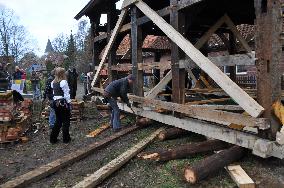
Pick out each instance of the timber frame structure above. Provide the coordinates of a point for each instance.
(194, 21)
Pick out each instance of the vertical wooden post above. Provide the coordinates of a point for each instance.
(157, 72)
(95, 21)
(136, 52)
(177, 20)
(111, 20)
(268, 54)
(232, 50)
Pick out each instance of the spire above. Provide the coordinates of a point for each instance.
(48, 47)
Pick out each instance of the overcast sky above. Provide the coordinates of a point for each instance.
(46, 18)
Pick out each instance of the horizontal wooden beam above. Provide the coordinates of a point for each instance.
(101, 174)
(210, 130)
(162, 12)
(224, 60)
(202, 113)
(231, 88)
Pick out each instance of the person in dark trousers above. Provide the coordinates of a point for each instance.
(61, 105)
(72, 77)
(48, 94)
(118, 88)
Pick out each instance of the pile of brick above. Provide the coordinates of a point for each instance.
(77, 110)
(14, 120)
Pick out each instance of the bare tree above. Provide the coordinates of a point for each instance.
(60, 42)
(14, 38)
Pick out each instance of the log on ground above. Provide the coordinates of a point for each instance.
(184, 151)
(172, 133)
(210, 165)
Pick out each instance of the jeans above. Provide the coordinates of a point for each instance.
(62, 120)
(36, 91)
(115, 113)
(52, 117)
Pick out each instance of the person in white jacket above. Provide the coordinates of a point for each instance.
(61, 105)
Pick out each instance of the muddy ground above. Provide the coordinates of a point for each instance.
(21, 158)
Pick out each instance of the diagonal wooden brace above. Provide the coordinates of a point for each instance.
(231, 88)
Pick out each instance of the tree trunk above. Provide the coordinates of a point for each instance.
(184, 151)
(142, 122)
(212, 164)
(172, 133)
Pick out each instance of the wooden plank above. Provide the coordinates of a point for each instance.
(159, 87)
(110, 44)
(225, 60)
(225, 134)
(207, 101)
(101, 174)
(127, 3)
(199, 44)
(136, 52)
(202, 113)
(240, 177)
(52, 167)
(235, 92)
(221, 107)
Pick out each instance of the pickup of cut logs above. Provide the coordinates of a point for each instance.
(212, 164)
(184, 151)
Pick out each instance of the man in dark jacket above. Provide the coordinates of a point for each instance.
(118, 88)
(72, 77)
(48, 94)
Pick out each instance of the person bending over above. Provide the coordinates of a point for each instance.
(118, 88)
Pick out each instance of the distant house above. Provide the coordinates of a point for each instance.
(37, 67)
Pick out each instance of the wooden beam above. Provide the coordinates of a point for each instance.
(235, 92)
(52, 167)
(208, 101)
(240, 177)
(221, 107)
(160, 86)
(110, 44)
(224, 60)
(269, 57)
(162, 12)
(101, 174)
(225, 134)
(177, 20)
(127, 3)
(136, 52)
(202, 113)
(238, 35)
(199, 44)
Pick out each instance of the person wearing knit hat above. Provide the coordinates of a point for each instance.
(118, 88)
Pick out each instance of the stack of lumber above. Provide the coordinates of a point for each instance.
(13, 122)
(77, 110)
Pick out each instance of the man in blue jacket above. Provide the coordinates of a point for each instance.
(118, 88)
